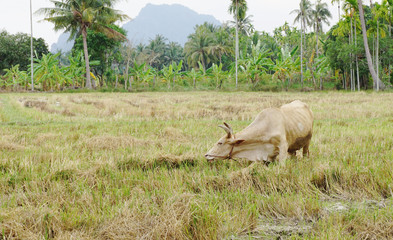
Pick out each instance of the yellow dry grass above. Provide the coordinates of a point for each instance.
(131, 166)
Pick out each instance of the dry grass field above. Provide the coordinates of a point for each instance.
(131, 166)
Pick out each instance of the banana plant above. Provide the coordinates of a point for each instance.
(76, 70)
(256, 63)
(322, 69)
(147, 75)
(176, 70)
(218, 74)
(193, 74)
(168, 73)
(137, 71)
(286, 66)
(153, 76)
(47, 71)
(14, 77)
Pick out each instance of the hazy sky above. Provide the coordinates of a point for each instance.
(267, 14)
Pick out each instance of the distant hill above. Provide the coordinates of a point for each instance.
(175, 22)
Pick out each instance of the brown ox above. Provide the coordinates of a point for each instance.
(274, 133)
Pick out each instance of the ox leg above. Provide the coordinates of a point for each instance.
(283, 153)
(306, 152)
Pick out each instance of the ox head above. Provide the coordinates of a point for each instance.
(229, 146)
(223, 149)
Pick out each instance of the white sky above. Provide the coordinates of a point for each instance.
(267, 14)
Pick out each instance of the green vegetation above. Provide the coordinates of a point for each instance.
(131, 165)
(88, 165)
(231, 56)
(78, 16)
(15, 50)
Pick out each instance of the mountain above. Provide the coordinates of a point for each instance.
(62, 44)
(175, 22)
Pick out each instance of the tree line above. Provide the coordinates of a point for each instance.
(229, 56)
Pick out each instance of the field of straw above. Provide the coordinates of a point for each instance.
(131, 166)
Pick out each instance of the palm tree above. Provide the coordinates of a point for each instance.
(244, 25)
(156, 50)
(320, 15)
(303, 16)
(238, 8)
(222, 44)
(197, 48)
(174, 52)
(366, 47)
(76, 16)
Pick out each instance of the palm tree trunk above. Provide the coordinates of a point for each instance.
(350, 60)
(31, 48)
(339, 13)
(366, 47)
(390, 35)
(320, 83)
(373, 53)
(13, 81)
(237, 42)
(356, 58)
(317, 24)
(351, 65)
(126, 75)
(377, 54)
(301, 54)
(316, 33)
(88, 80)
(117, 80)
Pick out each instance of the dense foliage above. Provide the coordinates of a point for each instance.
(103, 49)
(15, 50)
(288, 58)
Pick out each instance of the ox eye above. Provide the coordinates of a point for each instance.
(220, 143)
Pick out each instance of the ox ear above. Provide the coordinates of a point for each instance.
(227, 130)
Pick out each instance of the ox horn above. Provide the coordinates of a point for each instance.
(227, 129)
